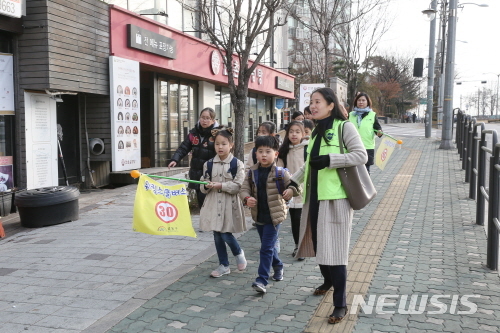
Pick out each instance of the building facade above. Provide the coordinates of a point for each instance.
(66, 101)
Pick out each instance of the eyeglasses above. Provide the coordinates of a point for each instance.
(205, 118)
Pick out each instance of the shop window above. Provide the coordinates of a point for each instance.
(5, 43)
(218, 106)
(177, 114)
(145, 7)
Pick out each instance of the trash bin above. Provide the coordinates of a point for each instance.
(47, 206)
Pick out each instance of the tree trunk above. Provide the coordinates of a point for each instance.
(239, 102)
(327, 62)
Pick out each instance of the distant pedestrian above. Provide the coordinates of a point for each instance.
(292, 155)
(223, 212)
(366, 122)
(266, 190)
(414, 117)
(326, 222)
(200, 141)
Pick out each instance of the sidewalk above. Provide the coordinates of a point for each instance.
(418, 237)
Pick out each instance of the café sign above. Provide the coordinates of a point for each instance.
(149, 41)
(284, 84)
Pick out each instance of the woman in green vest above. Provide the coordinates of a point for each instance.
(366, 122)
(326, 220)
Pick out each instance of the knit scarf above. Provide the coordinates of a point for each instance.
(361, 112)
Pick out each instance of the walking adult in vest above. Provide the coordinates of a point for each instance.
(326, 221)
(366, 122)
(201, 142)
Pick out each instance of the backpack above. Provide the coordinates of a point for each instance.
(305, 156)
(233, 167)
(279, 179)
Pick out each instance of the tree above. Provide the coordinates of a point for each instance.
(359, 39)
(326, 16)
(389, 70)
(235, 27)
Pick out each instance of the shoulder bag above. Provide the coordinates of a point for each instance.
(355, 180)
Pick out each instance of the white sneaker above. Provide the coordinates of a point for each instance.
(221, 270)
(241, 261)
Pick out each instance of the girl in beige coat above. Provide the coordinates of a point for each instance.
(222, 212)
(292, 155)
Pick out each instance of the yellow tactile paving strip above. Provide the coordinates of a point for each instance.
(365, 255)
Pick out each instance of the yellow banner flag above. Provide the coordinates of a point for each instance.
(161, 209)
(384, 152)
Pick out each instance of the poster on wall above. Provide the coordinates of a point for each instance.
(125, 114)
(41, 141)
(6, 173)
(6, 84)
(305, 91)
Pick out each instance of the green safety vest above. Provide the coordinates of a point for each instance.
(365, 129)
(329, 185)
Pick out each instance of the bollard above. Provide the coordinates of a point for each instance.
(465, 142)
(473, 160)
(483, 194)
(494, 210)
(468, 155)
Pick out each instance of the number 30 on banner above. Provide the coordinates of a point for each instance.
(166, 211)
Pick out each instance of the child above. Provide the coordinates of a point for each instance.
(308, 128)
(292, 155)
(222, 212)
(266, 190)
(307, 113)
(267, 128)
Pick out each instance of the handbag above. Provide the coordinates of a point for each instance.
(355, 180)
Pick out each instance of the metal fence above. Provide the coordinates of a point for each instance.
(479, 151)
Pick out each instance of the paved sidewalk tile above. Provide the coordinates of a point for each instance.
(96, 275)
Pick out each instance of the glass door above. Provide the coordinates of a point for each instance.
(177, 115)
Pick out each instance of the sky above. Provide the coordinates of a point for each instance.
(477, 26)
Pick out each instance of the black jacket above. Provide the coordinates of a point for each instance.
(198, 140)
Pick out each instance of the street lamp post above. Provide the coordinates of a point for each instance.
(430, 72)
(447, 130)
(446, 135)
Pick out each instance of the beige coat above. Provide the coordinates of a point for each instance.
(277, 205)
(223, 210)
(295, 161)
(335, 216)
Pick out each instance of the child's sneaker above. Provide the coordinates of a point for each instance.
(259, 287)
(221, 270)
(241, 261)
(278, 273)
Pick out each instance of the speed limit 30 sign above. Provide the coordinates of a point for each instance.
(166, 211)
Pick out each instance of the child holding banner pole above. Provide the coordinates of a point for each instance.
(223, 212)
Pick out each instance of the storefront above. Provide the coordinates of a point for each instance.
(10, 27)
(180, 75)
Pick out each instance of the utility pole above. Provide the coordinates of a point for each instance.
(430, 74)
(446, 136)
